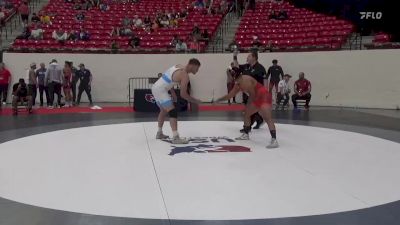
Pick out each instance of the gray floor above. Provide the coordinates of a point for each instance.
(379, 123)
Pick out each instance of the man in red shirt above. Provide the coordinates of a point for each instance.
(302, 89)
(5, 79)
(24, 11)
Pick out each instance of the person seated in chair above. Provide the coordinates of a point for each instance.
(20, 94)
(302, 89)
(283, 92)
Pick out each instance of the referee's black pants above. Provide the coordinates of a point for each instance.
(54, 88)
(87, 89)
(32, 91)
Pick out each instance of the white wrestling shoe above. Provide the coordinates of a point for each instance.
(160, 135)
(243, 137)
(273, 144)
(180, 141)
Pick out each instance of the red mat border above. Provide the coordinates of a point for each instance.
(111, 109)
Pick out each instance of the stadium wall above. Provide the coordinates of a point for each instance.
(368, 79)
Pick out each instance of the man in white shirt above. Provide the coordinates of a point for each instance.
(181, 46)
(283, 91)
(60, 35)
(37, 33)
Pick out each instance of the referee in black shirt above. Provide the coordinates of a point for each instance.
(258, 72)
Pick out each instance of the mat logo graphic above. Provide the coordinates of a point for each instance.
(208, 145)
(150, 98)
(371, 15)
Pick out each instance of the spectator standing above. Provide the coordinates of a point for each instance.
(275, 73)
(67, 85)
(54, 80)
(24, 11)
(20, 94)
(283, 91)
(85, 83)
(5, 80)
(302, 89)
(32, 83)
(40, 75)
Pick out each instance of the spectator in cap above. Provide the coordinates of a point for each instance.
(40, 75)
(283, 91)
(85, 84)
(32, 82)
(54, 80)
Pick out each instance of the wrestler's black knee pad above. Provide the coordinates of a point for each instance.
(173, 113)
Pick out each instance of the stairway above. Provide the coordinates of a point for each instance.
(225, 34)
(13, 27)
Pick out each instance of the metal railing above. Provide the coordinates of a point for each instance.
(139, 83)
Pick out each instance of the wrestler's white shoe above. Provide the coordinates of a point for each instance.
(180, 141)
(273, 144)
(160, 135)
(243, 137)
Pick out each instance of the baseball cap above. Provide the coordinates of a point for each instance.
(287, 75)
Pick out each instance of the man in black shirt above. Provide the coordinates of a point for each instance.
(20, 94)
(85, 77)
(276, 73)
(257, 71)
